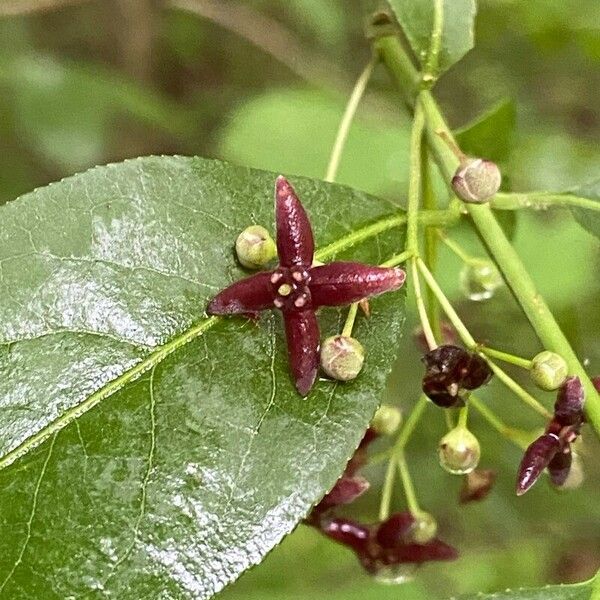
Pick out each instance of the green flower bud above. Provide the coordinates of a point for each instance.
(342, 357)
(476, 180)
(255, 247)
(479, 279)
(548, 370)
(386, 420)
(459, 451)
(424, 528)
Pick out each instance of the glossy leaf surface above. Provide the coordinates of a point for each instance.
(176, 452)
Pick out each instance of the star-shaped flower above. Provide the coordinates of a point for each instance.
(298, 288)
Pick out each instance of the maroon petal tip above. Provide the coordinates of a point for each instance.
(305, 383)
(536, 458)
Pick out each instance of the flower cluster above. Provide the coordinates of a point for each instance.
(449, 370)
(552, 450)
(387, 548)
(297, 287)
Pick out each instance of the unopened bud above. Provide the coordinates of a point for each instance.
(342, 357)
(386, 420)
(255, 247)
(476, 180)
(459, 451)
(548, 370)
(424, 528)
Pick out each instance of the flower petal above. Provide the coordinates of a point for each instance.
(535, 460)
(245, 296)
(344, 282)
(295, 244)
(302, 333)
(559, 467)
(568, 409)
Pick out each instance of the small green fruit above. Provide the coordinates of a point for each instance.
(386, 420)
(459, 451)
(548, 370)
(424, 528)
(476, 180)
(479, 279)
(255, 247)
(342, 357)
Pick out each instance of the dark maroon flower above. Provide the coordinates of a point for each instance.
(568, 409)
(553, 449)
(450, 369)
(298, 289)
(596, 382)
(477, 485)
(397, 547)
(560, 466)
(345, 491)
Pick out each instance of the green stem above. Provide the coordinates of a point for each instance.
(518, 361)
(397, 450)
(495, 421)
(463, 415)
(456, 248)
(508, 261)
(344, 128)
(407, 484)
(349, 324)
(447, 307)
(431, 243)
(436, 218)
(414, 183)
(541, 201)
(396, 260)
(387, 489)
(425, 324)
(431, 66)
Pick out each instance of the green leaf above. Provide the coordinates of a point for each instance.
(589, 219)
(65, 111)
(552, 592)
(416, 20)
(175, 450)
(297, 129)
(491, 135)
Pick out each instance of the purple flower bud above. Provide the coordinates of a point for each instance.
(536, 459)
(477, 485)
(349, 533)
(560, 466)
(345, 491)
(568, 409)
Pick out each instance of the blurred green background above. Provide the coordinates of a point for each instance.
(263, 83)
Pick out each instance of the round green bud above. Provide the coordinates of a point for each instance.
(255, 247)
(386, 420)
(548, 370)
(476, 180)
(459, 451)
(342, 357)
(479, 279)
(424, 528)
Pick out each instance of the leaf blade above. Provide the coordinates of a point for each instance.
(416, 19)
(184, 477)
